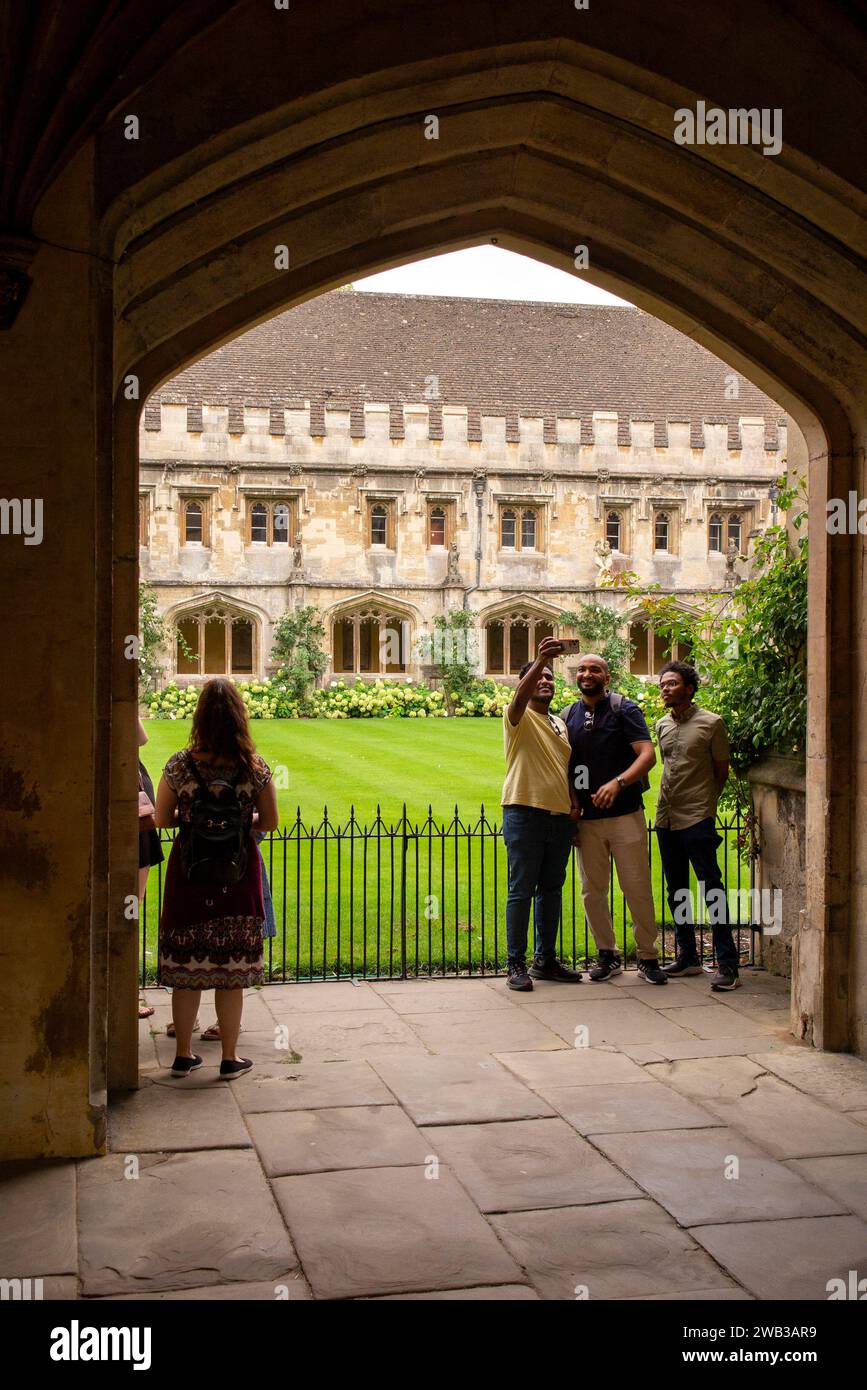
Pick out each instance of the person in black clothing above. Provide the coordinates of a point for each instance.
(612, 754)
(150, 850)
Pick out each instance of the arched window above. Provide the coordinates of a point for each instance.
(259, 524)
(650, 651)
(281, 524)
(370, 641)
(735, 529)
(508, 529)
(215, 642)
(528, 530)
(661, 531)
(614, 530)
(715, 532)
(512, 641)
(436, 526)
(193, 523)
(378, 525)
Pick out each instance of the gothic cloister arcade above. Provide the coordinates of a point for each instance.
(281, 153)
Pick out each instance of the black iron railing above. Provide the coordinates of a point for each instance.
(386, 900)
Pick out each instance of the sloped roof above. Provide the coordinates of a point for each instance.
(494, 356)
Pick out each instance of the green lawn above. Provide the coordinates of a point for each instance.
(374, 895)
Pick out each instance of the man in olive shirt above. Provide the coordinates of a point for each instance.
(695, 754)
(537, 821)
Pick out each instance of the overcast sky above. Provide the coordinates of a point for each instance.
(488, 272)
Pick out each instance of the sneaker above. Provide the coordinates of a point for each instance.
(553, 970)
(182, 1066)
(649, 971)
(683, 965)
(518, 977)
(608, 964)
(230, 1070)
(726, 977)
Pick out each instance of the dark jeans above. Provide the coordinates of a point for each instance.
(696, 845)
(538, 845)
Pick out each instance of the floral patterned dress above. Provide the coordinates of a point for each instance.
(211, 935)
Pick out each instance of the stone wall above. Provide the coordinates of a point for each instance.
(330, 481)
(779, 801)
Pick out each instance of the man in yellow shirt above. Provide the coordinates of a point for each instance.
(538, 823)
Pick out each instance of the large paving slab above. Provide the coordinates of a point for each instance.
(843, 1177)
(573, 1066)
(520, 1165)
(709, 1078)
(314, 1086)
(685, 1171)
(723, 1022)
(37, 1219)
(503, 1293)
(459, 1089)
(500, 1030)
(447, 997)
(647, 1106)
(319, 996)
(290, 1288)
(780, 1119)
(759, 1004)
(158, 1119)
(696, 1296)
(615, 1250)
(390, 1230)
(315, 1141)
(727, 1047)
(189, 1219)
(789, 1259)
(335, 1034)
(612, 1021)
(833, 1077)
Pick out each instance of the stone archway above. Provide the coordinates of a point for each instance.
(555, 130)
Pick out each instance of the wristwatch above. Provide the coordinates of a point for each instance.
(621, 782)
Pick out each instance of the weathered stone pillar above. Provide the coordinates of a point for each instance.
(55, 803)
(823, 989)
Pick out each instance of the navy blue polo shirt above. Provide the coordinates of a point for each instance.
(606, 751)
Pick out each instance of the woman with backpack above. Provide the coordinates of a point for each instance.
(218, 791)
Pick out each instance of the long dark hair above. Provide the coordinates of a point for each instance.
(220, 725)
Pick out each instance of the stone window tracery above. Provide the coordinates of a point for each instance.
(370, 640)
(214, 641)
(512, 640)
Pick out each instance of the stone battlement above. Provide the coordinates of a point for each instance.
(273, 431)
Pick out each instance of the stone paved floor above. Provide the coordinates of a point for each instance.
(448, 1139)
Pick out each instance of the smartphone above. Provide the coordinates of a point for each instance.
(571, 646)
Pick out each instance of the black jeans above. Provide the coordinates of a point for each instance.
(538, 844)
(697, 845)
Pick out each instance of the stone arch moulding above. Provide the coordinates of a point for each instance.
(374, 598)
(530, 603)
(545, 143)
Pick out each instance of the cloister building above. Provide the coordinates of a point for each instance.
(387, 458)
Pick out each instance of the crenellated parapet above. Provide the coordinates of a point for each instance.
(429, 433)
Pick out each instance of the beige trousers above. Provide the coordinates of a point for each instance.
(623, 839)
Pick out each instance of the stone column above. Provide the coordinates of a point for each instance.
(55, 798)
